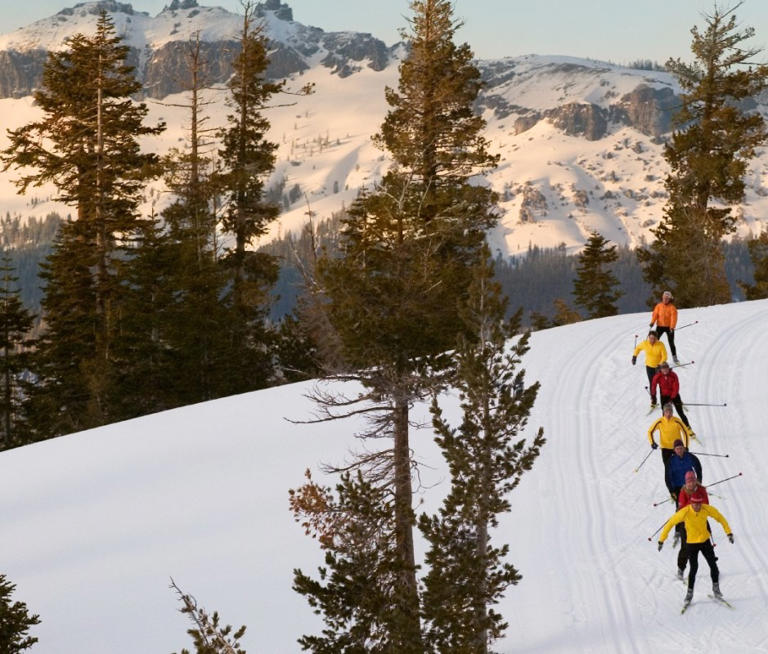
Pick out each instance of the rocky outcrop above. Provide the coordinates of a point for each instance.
(534, 204)
(20, 72)
(577, 119)
(647, 109)
(346, 51)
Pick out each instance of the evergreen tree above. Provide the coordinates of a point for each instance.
(406, 251)
(595, 288)
(708, 155)
(15, 325)
(87, 144)
(467, 573)
(356, 593)
(208, 635)
(758, 253)
(15, 621)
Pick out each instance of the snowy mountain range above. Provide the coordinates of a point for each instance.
(580, 140)
(95, 524)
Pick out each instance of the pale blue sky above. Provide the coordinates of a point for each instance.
(617, 30)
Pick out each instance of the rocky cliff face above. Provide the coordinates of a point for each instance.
(164, 68)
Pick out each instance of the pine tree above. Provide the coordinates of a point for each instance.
(208, 635)
(708, 155)
(15, 325)
(87, 144)
(15, 621)
(595, 287)
(486, 458)
(356, 592)
(406, 251)
(758, 253)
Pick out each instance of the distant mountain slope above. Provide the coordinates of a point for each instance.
(94, 524)
(580, 141)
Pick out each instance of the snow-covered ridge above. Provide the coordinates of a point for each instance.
(580, 141)
(94, 524)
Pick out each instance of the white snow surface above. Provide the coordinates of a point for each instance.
(94, 524)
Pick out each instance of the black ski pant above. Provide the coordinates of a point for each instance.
(677, 402)
(650, 372)
(693, 558)
(670, 338)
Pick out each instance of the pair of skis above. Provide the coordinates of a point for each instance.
(718, 600)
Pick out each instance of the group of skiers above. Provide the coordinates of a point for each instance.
(682, 469)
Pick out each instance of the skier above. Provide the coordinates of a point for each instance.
(677, 466)
(655, 353)
(665, 316)
(694, 516)
(669, 390)
(691, 486)
(670, 430)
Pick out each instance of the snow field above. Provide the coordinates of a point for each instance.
(95, 523)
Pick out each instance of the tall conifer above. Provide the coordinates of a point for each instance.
(15, 325)
(486, 455)
(595, 286)
(406, 250)
(708, 156)
(87, 144)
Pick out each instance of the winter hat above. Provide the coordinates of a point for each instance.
(690, 476)
(678, 442)
(666, 294)
(697, 498)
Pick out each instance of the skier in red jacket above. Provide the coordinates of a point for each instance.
(669, 387)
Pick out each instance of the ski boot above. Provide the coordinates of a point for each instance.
(716, 590)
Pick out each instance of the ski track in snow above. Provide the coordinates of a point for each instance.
(621, 593)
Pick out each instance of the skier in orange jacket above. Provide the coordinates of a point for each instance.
(665, 316)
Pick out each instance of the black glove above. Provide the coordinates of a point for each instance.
(661, 544)
(730, 537)
(634, 360)
(654, 445)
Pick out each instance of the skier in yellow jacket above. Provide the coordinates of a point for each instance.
(665, 316)
(694, 516)
(655, 353)
(671, 429)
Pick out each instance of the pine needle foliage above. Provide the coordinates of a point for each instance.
(15, 621)
(87, 144)
(486, 456)
(708, 154)
(758, 253)
(356, 591)
(596, 287)
(207, 632)
(15, 343)
(406, 248)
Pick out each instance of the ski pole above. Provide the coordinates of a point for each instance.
(682, 365)
(695, 322)
(722, 480)
(669, 499)
(635, 345)
(722, 456)
(644, 460)
(657, 531)
(704, 404)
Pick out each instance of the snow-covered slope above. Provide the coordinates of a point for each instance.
(94, 524)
